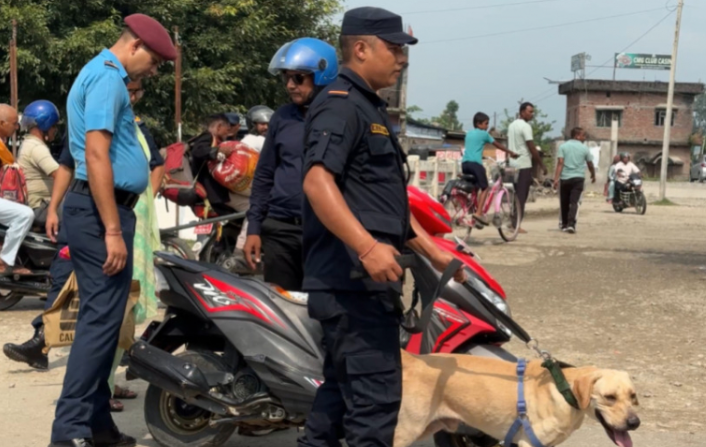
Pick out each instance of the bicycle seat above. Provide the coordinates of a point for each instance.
(468, 178)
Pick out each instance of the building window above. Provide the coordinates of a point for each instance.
(661, 116)
(604, 118)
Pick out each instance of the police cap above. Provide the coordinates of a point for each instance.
(153, 34)
(369, 21)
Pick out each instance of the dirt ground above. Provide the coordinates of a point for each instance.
(626, 292)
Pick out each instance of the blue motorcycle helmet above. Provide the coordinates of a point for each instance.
(42, 114)
(309, 55)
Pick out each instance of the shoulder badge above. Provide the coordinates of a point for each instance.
(111, 64)
(379, 129)
(338, 93)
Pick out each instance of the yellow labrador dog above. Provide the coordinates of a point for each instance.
(441, 391)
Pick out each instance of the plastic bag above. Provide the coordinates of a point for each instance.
(237, 171)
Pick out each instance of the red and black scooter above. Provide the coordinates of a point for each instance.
(253, 360)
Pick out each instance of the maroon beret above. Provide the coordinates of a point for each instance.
(153, 34)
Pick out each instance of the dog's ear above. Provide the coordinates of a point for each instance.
(583, 387)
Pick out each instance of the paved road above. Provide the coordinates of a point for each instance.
(626, 292)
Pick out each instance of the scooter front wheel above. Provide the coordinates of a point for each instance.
(174, 423)
(9, 299)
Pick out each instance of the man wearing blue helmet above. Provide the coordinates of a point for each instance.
(274, 219)
(39, 120)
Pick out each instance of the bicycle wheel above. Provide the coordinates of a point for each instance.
(509, 215)
(460, 212)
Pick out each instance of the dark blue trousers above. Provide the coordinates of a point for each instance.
(84, 409)
(60, 270)
(361, 396)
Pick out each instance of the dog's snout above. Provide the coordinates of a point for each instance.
(633, 422)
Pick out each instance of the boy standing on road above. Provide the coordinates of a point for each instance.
(572, 159)
(472, 162)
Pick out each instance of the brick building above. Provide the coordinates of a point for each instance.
(640, 108)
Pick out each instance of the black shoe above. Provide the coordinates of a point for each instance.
(29, 352)
(571, 229)
(113, 438)
(82, 442)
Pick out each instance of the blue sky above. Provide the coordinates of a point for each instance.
(493, 73)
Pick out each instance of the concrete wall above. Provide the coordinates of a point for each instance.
(638, 133)
(638, 122)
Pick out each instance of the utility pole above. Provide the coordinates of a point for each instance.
(403, 106)
(670, 106)
(13, 80)
(177, 84)
(177, 97)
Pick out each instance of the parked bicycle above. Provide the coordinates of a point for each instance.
(461, 196)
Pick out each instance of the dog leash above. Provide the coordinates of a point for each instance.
(522, 420)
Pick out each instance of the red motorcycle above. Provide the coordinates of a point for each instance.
(253, 359)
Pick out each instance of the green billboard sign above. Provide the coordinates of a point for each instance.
(643, 61)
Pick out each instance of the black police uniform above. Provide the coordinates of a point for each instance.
(349, 133)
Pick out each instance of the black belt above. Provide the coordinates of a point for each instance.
(123, 198)
(289, 220)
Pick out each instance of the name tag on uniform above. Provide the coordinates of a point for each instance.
(379, 129)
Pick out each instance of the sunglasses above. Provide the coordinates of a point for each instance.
(297, 78)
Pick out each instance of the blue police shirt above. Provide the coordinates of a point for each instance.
(99, 100)
(277, 186)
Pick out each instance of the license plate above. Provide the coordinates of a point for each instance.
(203, 229)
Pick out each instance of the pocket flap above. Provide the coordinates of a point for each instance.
(372, 363)
(380, 146)
(381, 223)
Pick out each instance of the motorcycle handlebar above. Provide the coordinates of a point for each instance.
(404, 261)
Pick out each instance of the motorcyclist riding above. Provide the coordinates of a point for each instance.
(39, 120)
(258, 119)
(306, 66)
(624, 169)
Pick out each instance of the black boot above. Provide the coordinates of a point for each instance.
(29, 352)
(113, 438)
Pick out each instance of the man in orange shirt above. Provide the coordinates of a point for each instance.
(8, 126)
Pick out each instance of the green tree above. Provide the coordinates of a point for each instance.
(449, 117)
(227, 46)
(411, 114)
(541, 127)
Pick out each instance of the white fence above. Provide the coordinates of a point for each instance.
(424, 172)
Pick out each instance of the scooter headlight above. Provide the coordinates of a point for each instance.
(481, 287)
(488, 293)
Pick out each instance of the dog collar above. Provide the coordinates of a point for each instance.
(562, 385)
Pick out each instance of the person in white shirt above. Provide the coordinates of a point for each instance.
(623, 170)
(521, 142)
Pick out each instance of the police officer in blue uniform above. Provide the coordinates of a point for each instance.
(111, 172)
(356, 216)
(306, 66)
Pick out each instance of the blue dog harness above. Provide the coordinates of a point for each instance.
(522, 420)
